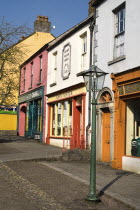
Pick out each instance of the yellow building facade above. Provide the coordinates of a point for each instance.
(27, 47)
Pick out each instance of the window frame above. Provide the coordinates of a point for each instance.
(54, 67)
(31, 76)
(119, 36)
(83, 38)
(24, 78)
(41, 67)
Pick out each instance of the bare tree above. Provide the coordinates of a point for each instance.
(12, 52)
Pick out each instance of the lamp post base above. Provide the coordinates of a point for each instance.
(93, 198)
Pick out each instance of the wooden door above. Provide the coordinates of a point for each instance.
(77, 127)
(106, 136)
(76, 140)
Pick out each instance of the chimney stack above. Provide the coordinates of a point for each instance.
(42, 24)
(90, 7)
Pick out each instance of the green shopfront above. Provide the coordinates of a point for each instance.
(31, 114)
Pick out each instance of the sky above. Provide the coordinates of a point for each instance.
(63, 14)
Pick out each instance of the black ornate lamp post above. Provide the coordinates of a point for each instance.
(94, 80)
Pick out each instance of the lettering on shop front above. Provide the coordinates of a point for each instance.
(64, 95)
(30, 96)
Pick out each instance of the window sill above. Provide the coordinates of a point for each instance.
(39, 83)
(53, 84)
(84, 53)
(29, 88)
(119, 34)
(60, 137)
(116, 60)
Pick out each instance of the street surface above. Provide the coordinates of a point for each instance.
(35, 185)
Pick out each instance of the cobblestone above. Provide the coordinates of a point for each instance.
(32, 192)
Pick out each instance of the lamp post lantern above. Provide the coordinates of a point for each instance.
(94, 81)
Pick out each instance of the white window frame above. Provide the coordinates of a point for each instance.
(54, 69)
(84, 50)
(119, 38)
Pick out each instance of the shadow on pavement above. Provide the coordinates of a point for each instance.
(120, 174)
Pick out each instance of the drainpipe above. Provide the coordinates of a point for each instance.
(91, 28)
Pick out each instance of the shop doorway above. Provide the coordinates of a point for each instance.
(77, 127)
(34, 118)
(106, 135)
(77, 123)
(22, 120)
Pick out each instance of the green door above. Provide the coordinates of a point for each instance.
(35, 118)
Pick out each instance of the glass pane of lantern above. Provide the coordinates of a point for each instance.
(87, 81)
(100, 82)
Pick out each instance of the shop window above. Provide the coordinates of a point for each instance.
(27, 119)
(53, 119)
(132, 123)
(119, 31)
(62, 118)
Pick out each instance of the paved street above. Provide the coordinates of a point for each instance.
(42, 187)
(31, 178)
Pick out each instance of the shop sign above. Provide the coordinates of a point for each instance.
(32, 95)
(64, 95)
(66, 61)
(129, 88)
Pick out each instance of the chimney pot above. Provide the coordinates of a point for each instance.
(42, 24)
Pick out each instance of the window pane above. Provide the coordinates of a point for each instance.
(122, 15)
(70, 118)
(59, 119)
(53, 119)
(65, 118)
(120, 21)
(121, 26)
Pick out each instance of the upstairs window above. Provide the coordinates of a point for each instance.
(54, 70)
(40, 71)
(23, 79)
(84, 50)
(31, 74)
(119, 39)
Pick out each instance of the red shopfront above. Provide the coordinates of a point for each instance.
(66, 122)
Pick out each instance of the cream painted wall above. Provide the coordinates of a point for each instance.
(131, 164)
(105, 37)
(75, 42)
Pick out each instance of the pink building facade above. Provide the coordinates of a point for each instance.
(32, 99)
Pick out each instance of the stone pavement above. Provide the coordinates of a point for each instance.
(13, 148)
(120, 185)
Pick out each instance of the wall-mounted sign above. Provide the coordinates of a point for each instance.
(28, 96)
(64, 95)
(66, 61)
